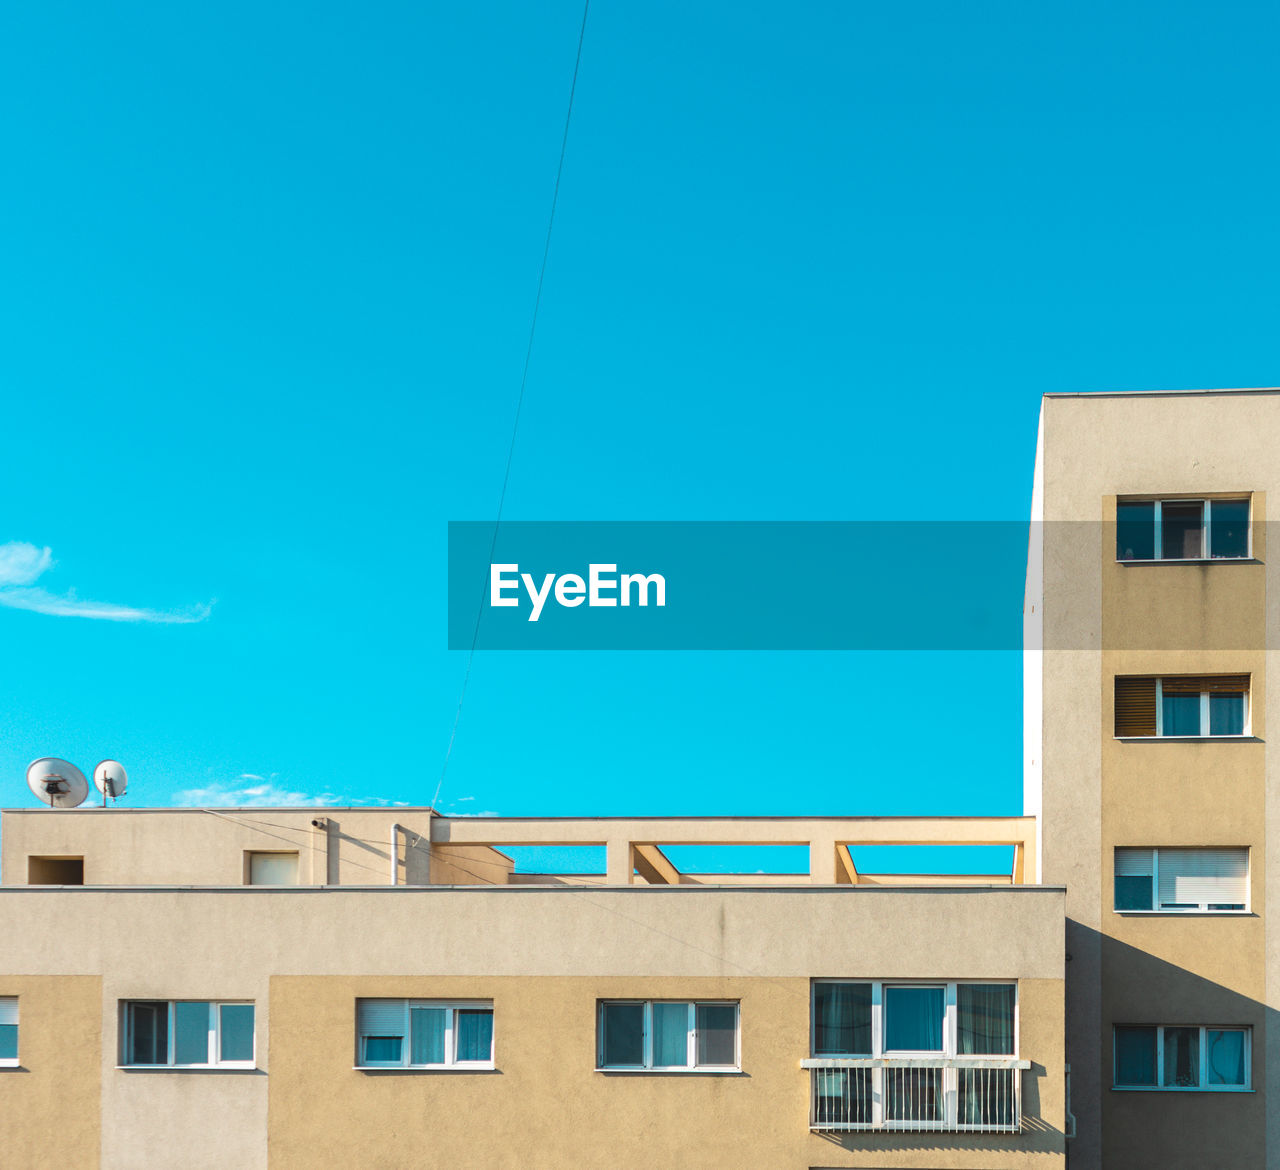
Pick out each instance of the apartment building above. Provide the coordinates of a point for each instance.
(293, 988)
(286, 988)
(1151, 624)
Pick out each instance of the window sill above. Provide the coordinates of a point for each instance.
(8, 1064)
(189, 1068)
(417, 1070)
(1185, 913)
(1187, 738)
(1216, 1090)
(709, 1071)
(1189, 561)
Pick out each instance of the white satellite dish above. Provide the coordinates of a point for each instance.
(110, 779)
(57, 782)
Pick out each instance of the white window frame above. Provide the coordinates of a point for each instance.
(214, 1033)
(1203, 908)
(451, 1061)
(1206, 530)
(250, 854)
(950, 1043)
(1203, 1086)
(9, 1008)
(1204, 732)
(691, 1037)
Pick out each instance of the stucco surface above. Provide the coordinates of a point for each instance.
(516, 944)
(1099, 793)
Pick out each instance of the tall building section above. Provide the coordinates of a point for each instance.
(1149, 635)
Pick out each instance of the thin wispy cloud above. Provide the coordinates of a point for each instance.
(21, 564)
(450, 808)
(261, 792)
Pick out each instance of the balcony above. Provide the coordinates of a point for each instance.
(964, 1094)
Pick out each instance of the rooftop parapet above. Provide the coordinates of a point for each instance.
(417, 846)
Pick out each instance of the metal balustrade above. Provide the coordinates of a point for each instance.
(964, 1094)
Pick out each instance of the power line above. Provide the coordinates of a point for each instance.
(524, 378)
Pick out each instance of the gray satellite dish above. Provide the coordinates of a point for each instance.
(110, 779)
(57, 782)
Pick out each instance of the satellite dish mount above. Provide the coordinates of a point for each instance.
(110, 779)
(58, 783)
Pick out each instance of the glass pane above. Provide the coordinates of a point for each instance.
(1181, 715)
(622, 1034)
(1229, 521)
(1136, 531)
(1181, 1057)
(842, 1019)
(717, 1033)
(670, 1035)
(913, 1018)
(273, 869)
(1181, 529)
(426, 1035)
(984, 1019)
(1226, 713)
(475, 1034)
(191, 1032)
(1135, 1056)
(8, 1041)
(383, 1049)
(1225, 1057)
(148, 1033)
(913, 1094)
(236, 1031)
(1133, 893)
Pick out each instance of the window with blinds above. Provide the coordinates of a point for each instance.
(1182, 880)
(1180, 706)
(423, 1033)
(9, 1030)
(658, 1034)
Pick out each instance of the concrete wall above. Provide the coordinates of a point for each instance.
(544, 955)
(49, 1104)
(546, 1107)
(1103, 619)
(207, 847)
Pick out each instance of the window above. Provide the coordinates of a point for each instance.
(905, 1024)
(423, 1033)
(8, 1031)
(1182, 706)
(656, 1034)
(273, 869)
(1182, 530)
(1169, 1057)
(187, 1033)
(1182, 880)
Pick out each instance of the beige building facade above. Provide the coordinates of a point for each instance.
(425, 1005)
(1151, 625)
(266, 988)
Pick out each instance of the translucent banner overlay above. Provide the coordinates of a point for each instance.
(848, 585)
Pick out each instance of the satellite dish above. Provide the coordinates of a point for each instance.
(110, 779)
(57, 782)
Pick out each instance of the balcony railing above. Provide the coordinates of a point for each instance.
(963, 1094)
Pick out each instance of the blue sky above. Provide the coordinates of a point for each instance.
(269, 275)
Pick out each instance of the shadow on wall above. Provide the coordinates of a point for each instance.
(1154, 1130)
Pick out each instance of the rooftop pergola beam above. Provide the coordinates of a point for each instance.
(654, 866)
